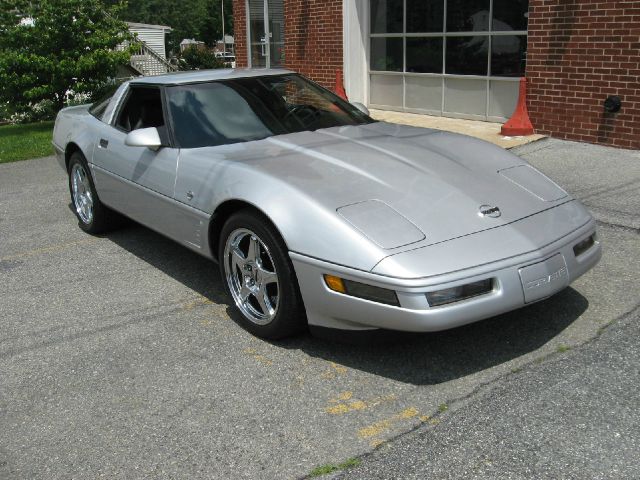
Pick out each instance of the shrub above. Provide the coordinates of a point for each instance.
(194, 58)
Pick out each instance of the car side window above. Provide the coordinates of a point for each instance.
(103, 106)
(142, 109)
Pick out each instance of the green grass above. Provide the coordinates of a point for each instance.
(443, 407)
(330, 468)
(21, 142)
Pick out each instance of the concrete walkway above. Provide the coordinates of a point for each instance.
(485, 130)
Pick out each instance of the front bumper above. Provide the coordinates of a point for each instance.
(330, 309)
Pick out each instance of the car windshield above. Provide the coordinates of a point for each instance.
(244, 109)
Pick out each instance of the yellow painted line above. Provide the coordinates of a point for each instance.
(50, 249)
(260, 358)
(377, 428)
(344, 403)
(196, 303)
(334, 370)
(346, 407)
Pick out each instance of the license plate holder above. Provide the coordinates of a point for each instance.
(543, 279)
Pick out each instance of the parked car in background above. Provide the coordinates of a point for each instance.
(315, 212)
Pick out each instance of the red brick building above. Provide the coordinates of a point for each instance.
(463, 58)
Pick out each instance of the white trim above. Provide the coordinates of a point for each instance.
(247, 21)
(354, 49)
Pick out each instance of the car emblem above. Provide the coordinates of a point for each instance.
(489, 211)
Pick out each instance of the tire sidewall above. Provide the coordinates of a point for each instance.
(290, 317)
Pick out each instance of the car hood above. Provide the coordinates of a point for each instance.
(411, 178)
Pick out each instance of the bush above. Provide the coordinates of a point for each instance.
(32, 112)
(194, 58)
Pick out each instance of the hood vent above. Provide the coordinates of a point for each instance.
(534, 182)
(381, 224)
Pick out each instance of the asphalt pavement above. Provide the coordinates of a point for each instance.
(119, 358)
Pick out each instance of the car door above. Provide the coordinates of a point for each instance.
(137, 181)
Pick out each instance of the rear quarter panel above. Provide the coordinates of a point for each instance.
(75, 125)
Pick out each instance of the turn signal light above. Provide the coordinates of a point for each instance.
(361, 290)
(335, 283)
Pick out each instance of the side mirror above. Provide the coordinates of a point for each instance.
(361, 107)
(144, 137)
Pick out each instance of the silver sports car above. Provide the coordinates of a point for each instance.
(316, 213)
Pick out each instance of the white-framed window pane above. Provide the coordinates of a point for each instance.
(503, 97)
(423, 92)
(465, 96)
(386, 90)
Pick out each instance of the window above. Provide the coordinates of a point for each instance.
(142, 109)
(99, 107)
(426, 16)
(447, 56)
(386, 16)
(472, 37)
(246, 109)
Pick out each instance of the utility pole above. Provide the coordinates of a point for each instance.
(224, 40)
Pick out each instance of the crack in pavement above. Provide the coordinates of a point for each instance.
(434, 418)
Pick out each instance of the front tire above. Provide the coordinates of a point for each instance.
(259, 276)
(93, 216)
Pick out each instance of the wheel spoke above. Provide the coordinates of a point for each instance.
(253, 253)
(265, 303)
(244, 293)
(237, 259)
(266, 277)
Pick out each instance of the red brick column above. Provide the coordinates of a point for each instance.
(580, 52)
(313, 39)
(240, 32)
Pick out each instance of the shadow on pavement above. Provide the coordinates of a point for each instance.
(420, 359)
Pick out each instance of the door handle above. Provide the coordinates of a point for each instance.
(103, 143)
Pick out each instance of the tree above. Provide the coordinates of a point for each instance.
(48, 47)
(198, 19)
(195, 58)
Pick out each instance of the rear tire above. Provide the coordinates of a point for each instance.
(93, 216)
(259, 276)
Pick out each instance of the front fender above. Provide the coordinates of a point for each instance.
(307, 226)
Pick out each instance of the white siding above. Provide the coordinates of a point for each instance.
(153, 37)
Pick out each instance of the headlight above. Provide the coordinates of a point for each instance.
(461, 292)
(361, 290)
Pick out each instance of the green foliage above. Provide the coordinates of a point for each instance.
(194, 58)
(49, 47)
(21, 142)
(331, 468)
(198, 19)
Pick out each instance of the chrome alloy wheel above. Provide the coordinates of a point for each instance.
(251, 275)
(82, 198)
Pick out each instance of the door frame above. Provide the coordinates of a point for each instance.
(267, 33)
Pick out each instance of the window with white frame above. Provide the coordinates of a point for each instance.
(447, 56)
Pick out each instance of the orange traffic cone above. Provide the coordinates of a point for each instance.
(519, 123)
(339, 88)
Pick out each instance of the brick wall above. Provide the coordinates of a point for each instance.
(580, 52)
(240, 32)
(313, 37)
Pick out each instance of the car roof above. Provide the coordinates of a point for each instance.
(196, 76)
